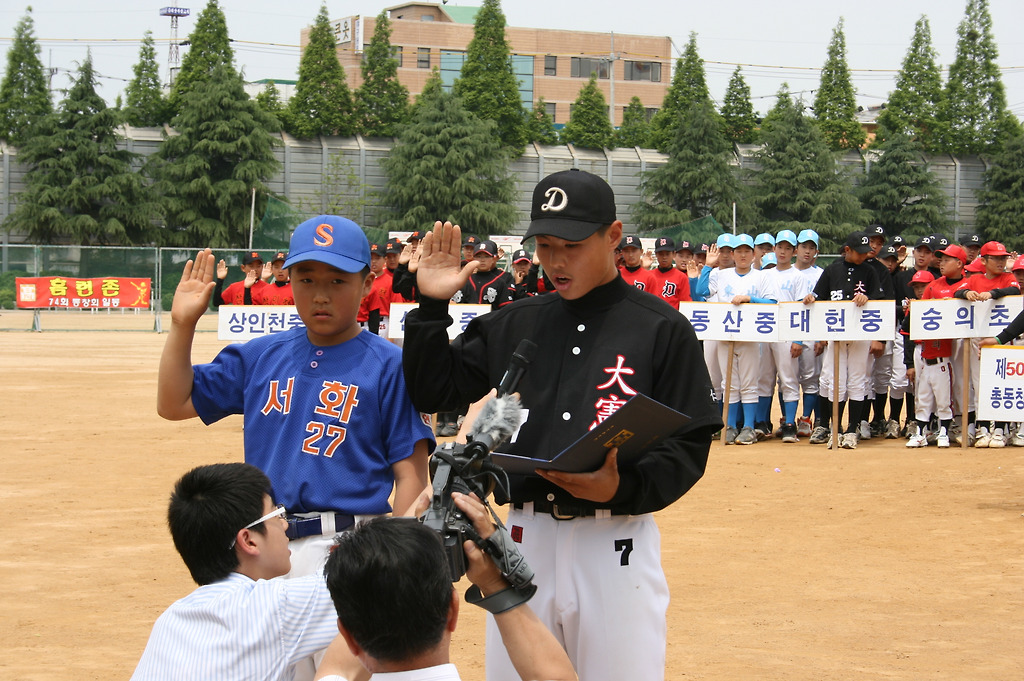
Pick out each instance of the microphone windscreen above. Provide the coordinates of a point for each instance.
(497, 421)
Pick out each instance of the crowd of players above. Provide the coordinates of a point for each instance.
(739, 268)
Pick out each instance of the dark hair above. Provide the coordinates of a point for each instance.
(209, 505)
(389, 582)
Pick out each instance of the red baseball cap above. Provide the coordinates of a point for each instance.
(993, 248)
(922, 277)
(976, 266)
(1018, 264)
(955, 251)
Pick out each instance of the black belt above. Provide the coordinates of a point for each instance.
(564, 511)
(308, 527)
(933, 361)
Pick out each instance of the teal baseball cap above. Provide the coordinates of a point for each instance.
(788, 236)
(742, 240)
(330, 239)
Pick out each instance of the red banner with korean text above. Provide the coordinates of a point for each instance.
(77, 294)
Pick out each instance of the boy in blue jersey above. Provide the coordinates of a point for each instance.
(326, 412)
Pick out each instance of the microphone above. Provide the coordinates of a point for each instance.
(521, 358)
(500, 417)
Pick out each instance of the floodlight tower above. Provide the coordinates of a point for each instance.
(172, 56)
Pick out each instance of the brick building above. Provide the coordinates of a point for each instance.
(552, 64)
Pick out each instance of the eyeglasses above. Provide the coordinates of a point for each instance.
(278, 512)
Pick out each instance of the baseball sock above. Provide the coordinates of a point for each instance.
(734, 414)
(856, 414)
(810, 403)
(764, 406)
(824, 410)
(789, 412)
(895, 408)
(910, 404)
(749, 414)
(880, 399)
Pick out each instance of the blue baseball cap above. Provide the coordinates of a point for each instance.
(330, 239)
(808, 235)
(768, 260)
(742, 240)
(788, 236)
(764, 238)
(724, 241)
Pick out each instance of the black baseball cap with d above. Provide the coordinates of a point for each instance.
(330, 239)
(859, 242)
(571, 205)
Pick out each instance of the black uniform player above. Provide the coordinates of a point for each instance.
(589, 536)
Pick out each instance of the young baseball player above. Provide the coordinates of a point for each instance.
(782, 359)
(722, 252)
(632, 268)
(240, 292)
(879, 365)
(929, 370)
(899, 385)
(325, 409)
(810, 357)
(995, 283)
(243, 620)
(589, 537)
(764, 243)
(488, 285)
(672, 285)
(278, 290)
(847, 279)
(737, 285)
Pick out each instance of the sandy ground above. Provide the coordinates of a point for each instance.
(785, 561)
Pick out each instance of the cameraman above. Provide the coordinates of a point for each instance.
(397, 608)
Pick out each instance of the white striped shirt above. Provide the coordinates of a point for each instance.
(238, 628)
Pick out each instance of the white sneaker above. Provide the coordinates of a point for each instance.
(917, 440)
(864, 431)
(1018, 439)
(943, 439)
(848, 440)
(997, 439)
(983, 438)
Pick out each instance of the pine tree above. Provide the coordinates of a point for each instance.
(209, 48)
(207, 171)
(80, 188)
(738, 119)
(688, 87)
(798, 185)
(488, 87)
(900, 190)
(322, 103)
(913, 107)
(588, 125)
(698, 178)
(269, 99)
(147, 107)
(1002, 198)
(835, 104)
(382, 103)
(635, 131)
(448, 165)
(973, 111)
(24, 91)
(539, 127)
(783, 106)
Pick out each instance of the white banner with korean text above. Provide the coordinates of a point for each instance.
(954, 318)
(244, 322)
(461, 315)
(761, 323)
(1001, 383)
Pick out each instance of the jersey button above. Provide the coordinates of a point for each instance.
(566, 416)
(581, 327)
(575, 351)
(550, 496)
(319, 353)
(313, 364)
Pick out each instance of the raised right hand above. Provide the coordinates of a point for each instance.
(439, 273)
(192, 296)
(222, 270)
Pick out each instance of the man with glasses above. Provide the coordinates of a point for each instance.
(241, 623)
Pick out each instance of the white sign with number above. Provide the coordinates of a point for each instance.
(1001, 383)
(955, 318)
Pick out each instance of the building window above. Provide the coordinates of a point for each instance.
(582, 67)
(549, 109)
(423, 57)
(550, 65)
(522, 68)
(643, 70)
(396, 54)
(426, 17)
(650, 111)
(451, 67)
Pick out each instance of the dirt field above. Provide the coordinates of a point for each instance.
(785, 562)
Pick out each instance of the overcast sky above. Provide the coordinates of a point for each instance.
(781, 42)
